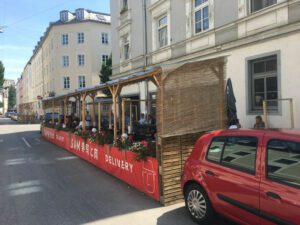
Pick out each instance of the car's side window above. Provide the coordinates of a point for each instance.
(215, 149)
(240, 153)
(283, 162)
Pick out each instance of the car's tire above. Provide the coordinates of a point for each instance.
(198, 205)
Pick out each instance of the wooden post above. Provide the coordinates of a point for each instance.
(130, 117)
(83, 111)
(99, 116)
(65, 110)
(93, 111)
(265, 113)
(109, 117)
(292, 114)
(59, 112)
(115, 117)
(118, 114)
(115, 90)
(123, 115)
(52, 112)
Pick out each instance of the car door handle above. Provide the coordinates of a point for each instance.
(209, 173)
(273, 195)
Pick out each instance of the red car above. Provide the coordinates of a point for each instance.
(249, 176)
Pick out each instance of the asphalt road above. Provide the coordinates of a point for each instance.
(41, 184)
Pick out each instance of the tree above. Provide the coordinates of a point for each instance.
(2, 69)
(11, 97)
(105, 73)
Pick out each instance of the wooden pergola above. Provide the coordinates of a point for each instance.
(114, 86)
(190, 101)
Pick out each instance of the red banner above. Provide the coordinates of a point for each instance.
(143, 175)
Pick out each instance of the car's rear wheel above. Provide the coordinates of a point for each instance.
(198, 204)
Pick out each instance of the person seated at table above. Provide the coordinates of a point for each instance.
(151, 120)
(142, 120)
(259, 123)
(88, 119)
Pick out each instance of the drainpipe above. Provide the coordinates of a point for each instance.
(145, 35)
(146, 55)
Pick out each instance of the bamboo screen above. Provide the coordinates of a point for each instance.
(192, 99)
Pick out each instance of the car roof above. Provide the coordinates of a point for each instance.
(275, 132)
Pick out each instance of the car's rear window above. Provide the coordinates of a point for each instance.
(283, 162)
(236, 152)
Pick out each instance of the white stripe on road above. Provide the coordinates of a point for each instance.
(67, 158)
(28, 145)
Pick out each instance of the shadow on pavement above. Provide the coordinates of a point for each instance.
(180, 215)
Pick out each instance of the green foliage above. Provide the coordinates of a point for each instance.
(2, 69)
(106, 72)
(11, 97)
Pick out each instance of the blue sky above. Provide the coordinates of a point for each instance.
(26, 21)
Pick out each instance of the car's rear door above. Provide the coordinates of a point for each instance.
(280, 184)
(232, 176)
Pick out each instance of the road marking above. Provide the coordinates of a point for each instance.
(28, 145)
(67, 158)
(37, 140)
(1, 140)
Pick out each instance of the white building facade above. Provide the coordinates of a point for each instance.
(258, 38)
(68, 56)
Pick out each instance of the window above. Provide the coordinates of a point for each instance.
(163, 31)
(81, 81)
(65, 39)
(215, 149)
(257, 5)
(80, 38)
(65, 61)
(235, 152)
(124, 4)
(264, 83)
(80, 59)
(64, 16)
(80, 14)
(126, 47)
(104, 58)
(66, 82)
(240, 153)
(104, 37)
(283, 162)
(201, 16)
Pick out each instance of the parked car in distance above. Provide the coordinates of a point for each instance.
(14, 116)
(9, 114)
(249, 176)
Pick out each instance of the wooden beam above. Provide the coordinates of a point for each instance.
(93, 110)
(52, 112)
(83, 111)
(65, 110)
(155, 79)
(115, 117)
(99, 116)
(123, 115)
(265, 113)
(130, 117)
